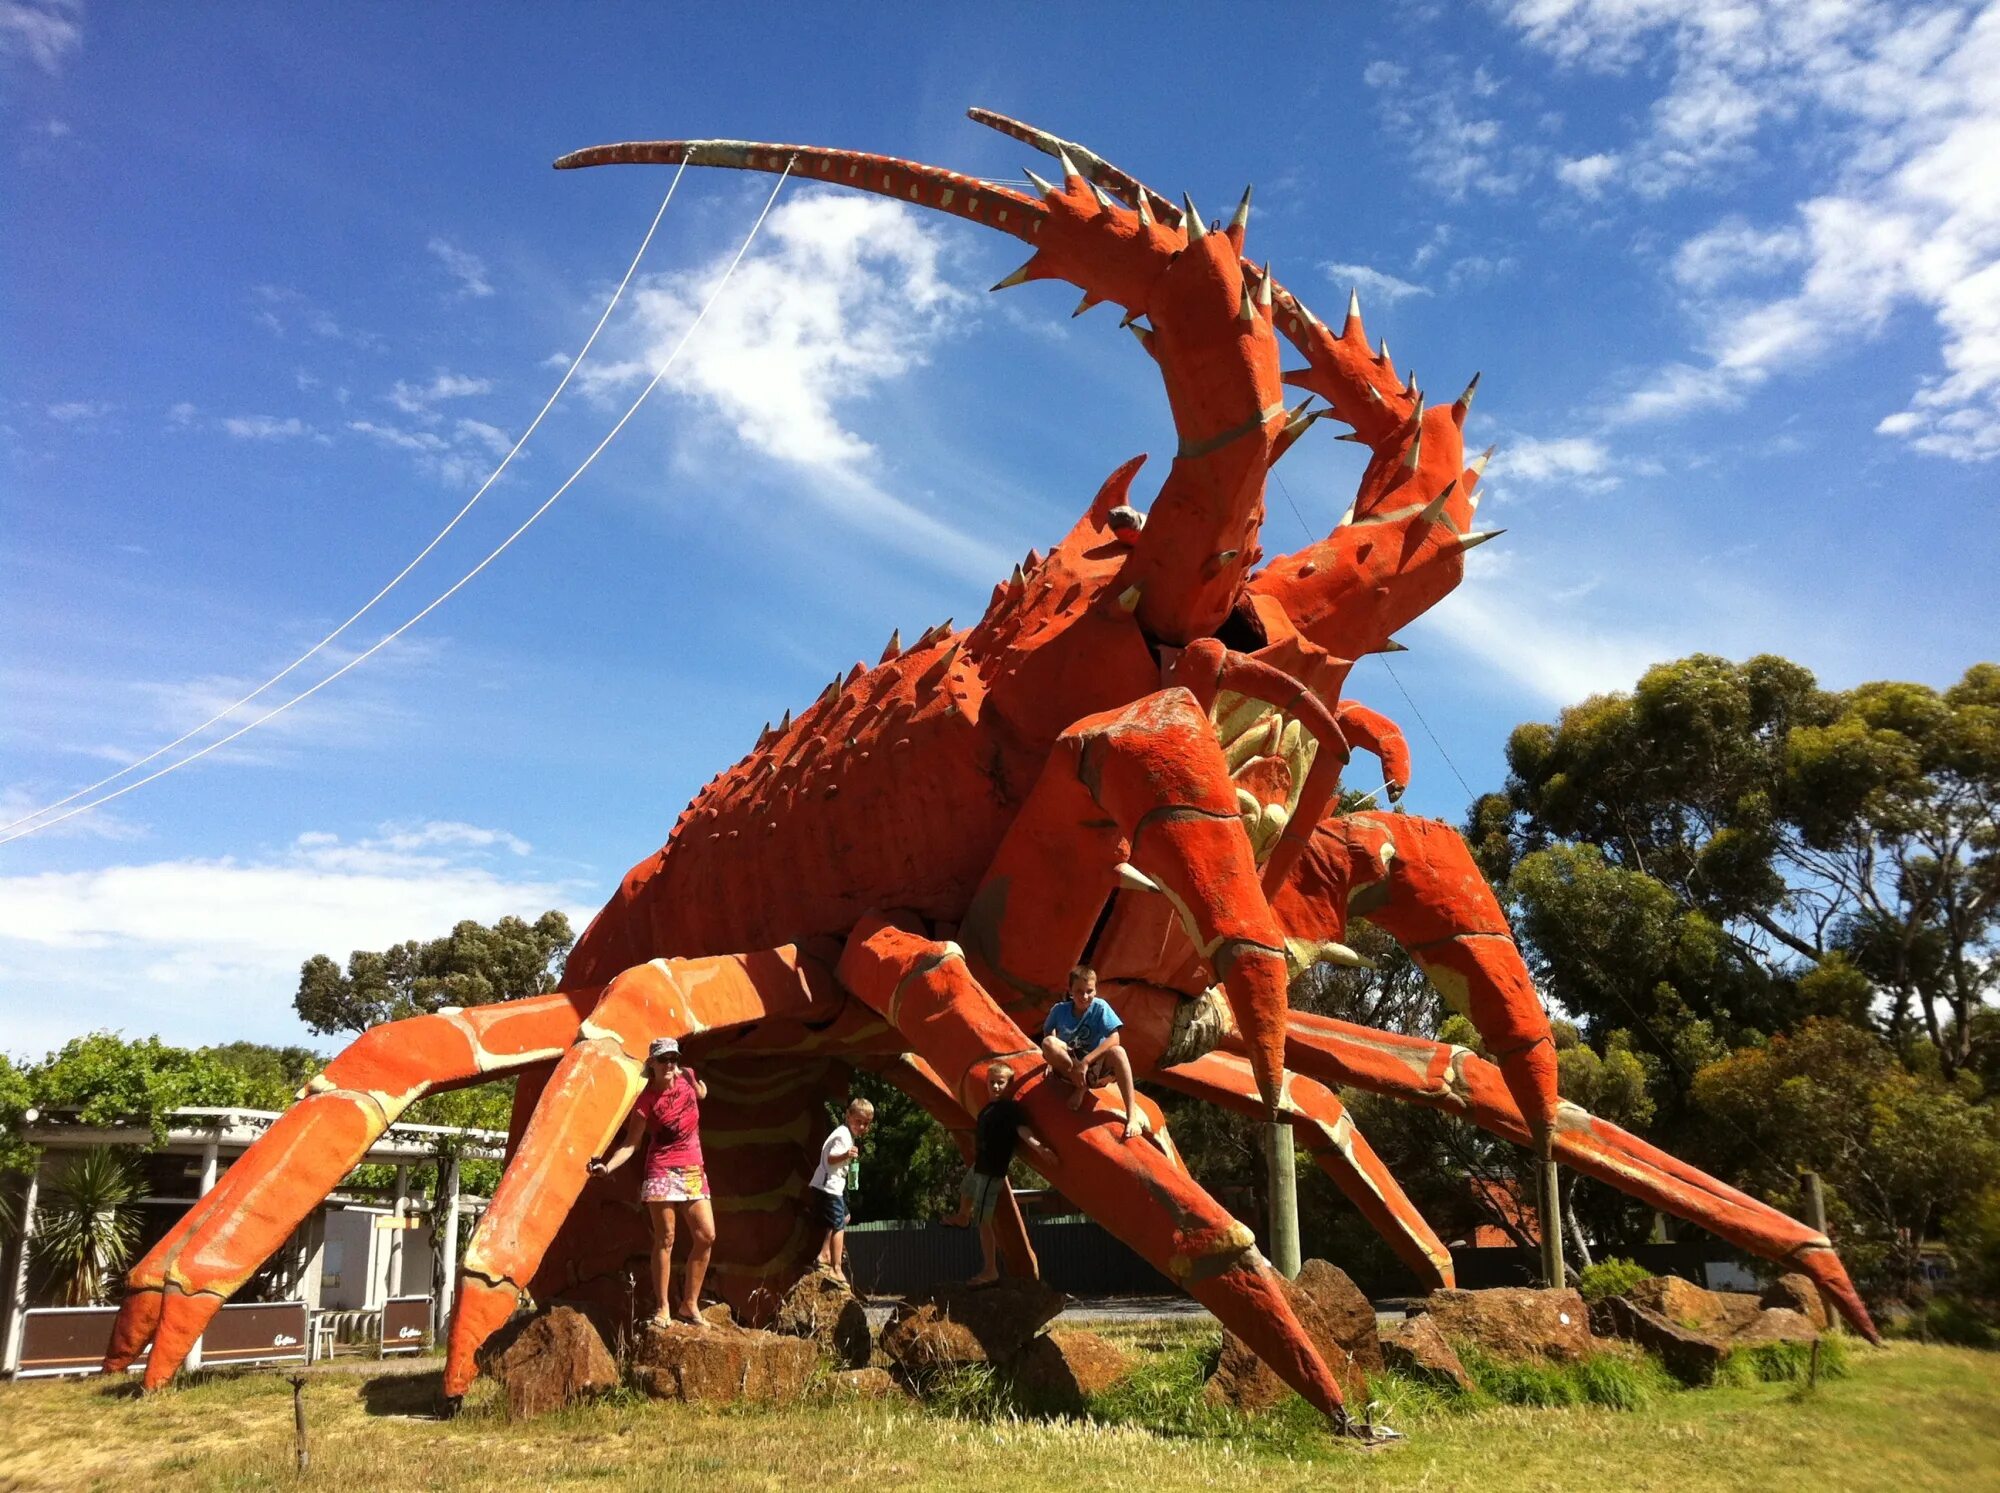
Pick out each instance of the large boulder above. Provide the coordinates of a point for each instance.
(1692, 1306)
(823, 1307)
(1339, 1320)
(956, 1325)
(863, 1384)
(1514, 1323)
(1689, 1354)
(1797, 1293)
(1777, 1324)
(1416, 1349)
(718, 1364)
(545, 1362)
(1059, 1371)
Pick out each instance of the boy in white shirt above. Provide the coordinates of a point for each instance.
(826, 1196)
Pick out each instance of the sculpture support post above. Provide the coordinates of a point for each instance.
(1551, 1225)
(1815, 1201)
(1282, 1176)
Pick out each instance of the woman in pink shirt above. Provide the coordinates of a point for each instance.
(667, 1115)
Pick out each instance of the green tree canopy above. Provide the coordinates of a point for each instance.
(1733, 848)
(473, 965)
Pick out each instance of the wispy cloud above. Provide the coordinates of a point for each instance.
(281, 310)
(1578, 461)
(46, 32)
(417, 399)
(468, 269)
(194, 945)
(455, 455)
(1907, 212)
(1376, 284)
(265, 427)
(79, 411)
(1445, 119)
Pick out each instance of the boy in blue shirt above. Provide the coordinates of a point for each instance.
(1080, 1040)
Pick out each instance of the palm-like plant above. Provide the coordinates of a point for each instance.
(85, 1227)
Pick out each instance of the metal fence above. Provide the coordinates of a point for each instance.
(895, 1259)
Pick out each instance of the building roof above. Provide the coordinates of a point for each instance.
(191, 1131)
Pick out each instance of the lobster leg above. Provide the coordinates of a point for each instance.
(1149, 783)
(919, 1080)
(1459, 1082)
(1324, 1128)
(586, 1101)
(174, 1291)
(922, 988)
(1416, 881)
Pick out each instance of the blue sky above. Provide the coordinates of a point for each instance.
(278, 289)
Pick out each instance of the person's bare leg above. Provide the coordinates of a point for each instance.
(825, 1237)
(989, 1265)
(701, 1244)
(1121, 1069)
(662, 1217)
(836, 1251)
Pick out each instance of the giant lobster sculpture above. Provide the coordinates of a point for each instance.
(1133, 756)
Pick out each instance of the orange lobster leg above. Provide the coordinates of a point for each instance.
(924, 990)
(1459, 1082)
(1148, 779)
(919, 1080)
(1324, 1128)
(1416, 881)
(174, 1291)
(585, 1102)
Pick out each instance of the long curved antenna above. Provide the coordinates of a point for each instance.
(967, 197)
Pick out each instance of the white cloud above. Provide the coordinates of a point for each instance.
(463, 457)
(44, 31)
(1577, 460)
(280, 309)
(264, 427)
(1373, 283)
(1588, 175)
(1906, 214)
(417, 399)
(210, 949)
(468, 269)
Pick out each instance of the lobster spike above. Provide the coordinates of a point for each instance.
(1383, 357)
(1019, 277)
(829, 694)
(1464, 404)
(1247, 309)
(1144, 335)
(1346, 518)
(1128, 599)
(1085, 304)
(1145, 210)
(1473, 541)
(1047, 189)
(1352, 327)
(1196, 229)
(1239, 222)
(895, 646)
(1130, 317)
(1264, 287)
(1131, 876)
(1390, 645)
(1068, 166)
(785, 724)
(1351, 435)
(1415, 453)
(1034, 560)
(1434, 509)
(1016, 580)
(1479, 462)
(1410, 384)
(1103, 197)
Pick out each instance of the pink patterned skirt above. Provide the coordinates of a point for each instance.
(677, 1184)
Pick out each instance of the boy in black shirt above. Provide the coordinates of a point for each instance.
(1002, 1125)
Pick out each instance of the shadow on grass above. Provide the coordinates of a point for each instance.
(412, 1396)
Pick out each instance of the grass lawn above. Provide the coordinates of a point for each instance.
(1908, 1417)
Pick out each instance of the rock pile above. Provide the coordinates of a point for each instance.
(544, 1363)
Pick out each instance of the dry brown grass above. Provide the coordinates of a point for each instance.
(1908, 1418)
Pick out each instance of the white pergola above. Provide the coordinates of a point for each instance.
(214, 1135)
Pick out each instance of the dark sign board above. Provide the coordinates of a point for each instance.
(66, 1339)
(406, 1322)
(256, 1332)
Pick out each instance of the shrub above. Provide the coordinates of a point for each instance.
(1608, 1278)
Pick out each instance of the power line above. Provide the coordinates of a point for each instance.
(438, 538)
(460, 583)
